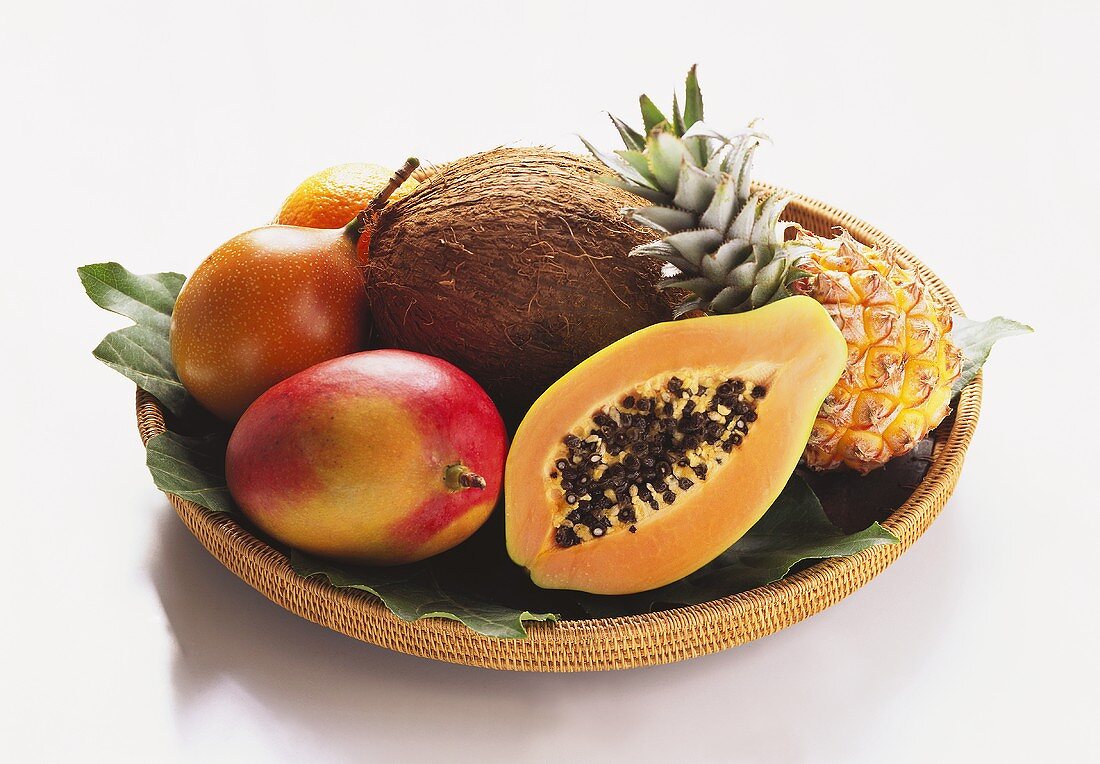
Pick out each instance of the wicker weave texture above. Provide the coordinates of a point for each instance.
(616, 643)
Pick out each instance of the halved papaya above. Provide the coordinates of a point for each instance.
(653, 456)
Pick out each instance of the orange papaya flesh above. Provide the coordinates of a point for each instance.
(653, 456)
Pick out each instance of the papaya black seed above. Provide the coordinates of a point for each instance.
(566, 536)
(633, 445)
(633, 529)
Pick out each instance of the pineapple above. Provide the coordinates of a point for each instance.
(726, 246)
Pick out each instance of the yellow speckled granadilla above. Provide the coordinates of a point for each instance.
(727, 247)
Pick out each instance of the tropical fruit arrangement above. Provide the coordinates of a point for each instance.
(529, 384)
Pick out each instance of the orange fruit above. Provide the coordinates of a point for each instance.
(333, 196)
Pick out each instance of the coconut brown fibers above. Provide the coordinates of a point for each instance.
(512, 264)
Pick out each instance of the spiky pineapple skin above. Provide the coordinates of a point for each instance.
(901, 361)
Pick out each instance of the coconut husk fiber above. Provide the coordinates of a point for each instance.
(512, 264)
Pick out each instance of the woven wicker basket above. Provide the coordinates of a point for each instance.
(616, 643)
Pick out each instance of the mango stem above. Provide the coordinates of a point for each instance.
(459, 477)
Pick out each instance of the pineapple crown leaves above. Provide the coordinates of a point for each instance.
(722, 242)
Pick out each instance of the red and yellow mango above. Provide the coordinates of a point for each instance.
(382, 457)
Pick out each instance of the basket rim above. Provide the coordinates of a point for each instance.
(717, 624)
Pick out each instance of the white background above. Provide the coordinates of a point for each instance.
(151, 132)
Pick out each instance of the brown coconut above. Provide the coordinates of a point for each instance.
(512, 264)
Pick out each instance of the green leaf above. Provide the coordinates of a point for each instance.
(795, 529)
(694, 188)
(667, 219)
(144, 356)
(649, 194)
(651, 115)
(666, 154)
(693, 100)
(634, 140)
(975, 339)
(638, 161)
(192, 468)
(677, 118)
(416, 591)
(140, 352)
(146, 300)
(619, 166)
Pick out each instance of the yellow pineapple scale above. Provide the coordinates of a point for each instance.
(901, 362)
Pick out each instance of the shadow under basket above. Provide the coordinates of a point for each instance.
(613, 643)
